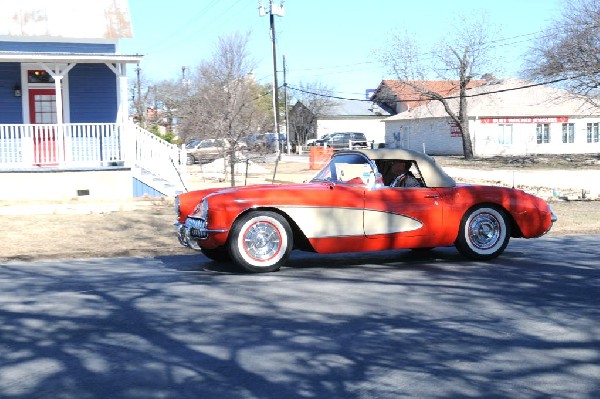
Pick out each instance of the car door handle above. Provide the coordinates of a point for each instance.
(432, 196)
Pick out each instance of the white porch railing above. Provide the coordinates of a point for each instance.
(157, 155)
(68, 145)
(93, 145)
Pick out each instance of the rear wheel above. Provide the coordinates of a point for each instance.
(484, 233)
(261, 241)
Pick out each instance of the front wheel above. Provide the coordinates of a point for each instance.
(484, 233)
(261, 241)
(190, 160)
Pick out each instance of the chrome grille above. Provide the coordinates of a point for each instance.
(194, 223)
(197, 227)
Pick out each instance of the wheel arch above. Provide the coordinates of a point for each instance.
(515, 230)
(484, 232)
(300, 240)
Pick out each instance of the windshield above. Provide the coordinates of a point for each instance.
(339, 136)
(348, 169)
(192, 144)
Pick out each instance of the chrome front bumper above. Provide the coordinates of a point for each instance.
(192, 231)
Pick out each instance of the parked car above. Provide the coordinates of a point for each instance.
(265, 141)
(318, 141)
(347, 208)
(344, 140)
(205, 150)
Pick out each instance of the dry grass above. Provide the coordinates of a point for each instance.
(142, 232)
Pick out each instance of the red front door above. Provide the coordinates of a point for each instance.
(42, 111)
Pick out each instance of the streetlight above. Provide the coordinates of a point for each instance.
(272, 11)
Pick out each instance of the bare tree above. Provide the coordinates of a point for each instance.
(165, 99)
(570, 49)
(461, 55)
(312, 100)
(222, 101)
(140, 93)
(264, 102)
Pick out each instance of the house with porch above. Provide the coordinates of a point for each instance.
(506, 117)
(64, 126)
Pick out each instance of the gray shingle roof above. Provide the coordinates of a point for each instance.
(355, 108)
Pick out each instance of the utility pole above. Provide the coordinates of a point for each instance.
(273, 10)
(139, 104)
(184, 81)
(287, 124)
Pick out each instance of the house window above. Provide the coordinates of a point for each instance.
(593, 132)
(543, 133)
(568, 132)
(505, 134)
(39, 76)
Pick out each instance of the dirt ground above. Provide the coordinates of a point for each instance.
(147, 229)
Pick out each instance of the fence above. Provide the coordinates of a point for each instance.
(157, 155)
(67, 145)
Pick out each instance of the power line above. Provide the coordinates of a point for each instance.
(337, 66)
(496, 43)
(428, 56)
(448, 97)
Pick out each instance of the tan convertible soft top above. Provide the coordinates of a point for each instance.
(432, 173)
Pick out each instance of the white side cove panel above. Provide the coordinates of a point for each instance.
(379, 222)
(321, 222)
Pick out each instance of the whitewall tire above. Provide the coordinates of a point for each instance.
(484, 233)
(260, 241)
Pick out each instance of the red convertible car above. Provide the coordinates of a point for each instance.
(347, 207)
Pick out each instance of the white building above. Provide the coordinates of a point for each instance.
(354, 116)
(506, 117)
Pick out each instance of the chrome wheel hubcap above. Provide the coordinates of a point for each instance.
(262, 241)
(484, 231)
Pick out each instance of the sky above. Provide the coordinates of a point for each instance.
(333, 43)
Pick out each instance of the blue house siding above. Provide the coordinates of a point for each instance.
(53, 47)
(92, 94)
(10, 106)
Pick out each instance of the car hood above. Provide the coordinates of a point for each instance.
(269, 190)
(264, 195)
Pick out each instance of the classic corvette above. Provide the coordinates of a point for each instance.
(349, 207)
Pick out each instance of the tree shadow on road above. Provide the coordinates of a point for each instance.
(383, 325)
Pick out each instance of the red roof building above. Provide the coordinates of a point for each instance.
(396, 96)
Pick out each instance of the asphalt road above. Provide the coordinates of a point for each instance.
(385, 325)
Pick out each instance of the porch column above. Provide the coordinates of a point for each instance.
(127, 140)
(59, 101)
(120, 71)
(58, 73)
